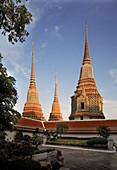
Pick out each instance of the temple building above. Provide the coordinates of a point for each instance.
(32, 107)
(56, 111)
(86, 103)
(86, 111)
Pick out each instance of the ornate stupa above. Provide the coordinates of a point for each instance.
(56, 111)
(86, 103)
(32, 107)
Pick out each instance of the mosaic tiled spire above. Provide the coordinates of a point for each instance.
(89, 106)
(32, 107)
(86, 59)
(32, 79)
(56, 111)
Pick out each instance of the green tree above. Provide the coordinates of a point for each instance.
(36, 139)
(18, 136)
(2, 135)
(8, 99)
(14, 16)
(103, 131)
(27, 138)
(60, 128)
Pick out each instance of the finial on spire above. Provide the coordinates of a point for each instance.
(86, 30)
(32, 48)
(56, 78)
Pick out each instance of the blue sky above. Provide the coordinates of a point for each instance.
(58, 31)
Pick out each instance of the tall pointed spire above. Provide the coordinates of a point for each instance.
(86, 59)
(32, 79)
(32, 107)
(56, 111)
(56, 89)
(86, 69)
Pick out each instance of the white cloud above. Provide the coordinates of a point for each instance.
(37, 14)
(13, 56)
(38, 8)
(43, 45)
(65, 108)
(110, 109)
(25, 72)
(113, 75)
(45, 29)
(17, 69)
(10, 73)
(57, 29)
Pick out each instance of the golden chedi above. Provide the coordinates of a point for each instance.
(86, 103)
(32, 107)
(56, 111)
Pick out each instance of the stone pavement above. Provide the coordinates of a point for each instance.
(86, 159)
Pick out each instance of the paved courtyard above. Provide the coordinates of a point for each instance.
(81, 159)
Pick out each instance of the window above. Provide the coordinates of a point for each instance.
(82, 105)
(81, 117)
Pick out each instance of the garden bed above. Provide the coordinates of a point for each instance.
(96, 143)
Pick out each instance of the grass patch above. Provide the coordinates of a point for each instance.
(68, 142)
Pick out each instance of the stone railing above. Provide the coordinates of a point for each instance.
(45, 156)
(49, 158)
(115, 145)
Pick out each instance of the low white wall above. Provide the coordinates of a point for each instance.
(10, 135)
(114, 136)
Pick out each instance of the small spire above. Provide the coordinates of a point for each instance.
(56, 111)
(56, 88)
(32, 80)
(86, 59)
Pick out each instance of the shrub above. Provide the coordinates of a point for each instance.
(21, 164)
(60, 128)
(27, 138)
(2, 135)
(55, 164)
(103, 131)
(97, 141)
(59, 153)
(18, 136)
(13, 149)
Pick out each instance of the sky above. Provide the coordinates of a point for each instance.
(58, 32)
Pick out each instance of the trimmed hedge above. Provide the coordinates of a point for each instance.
(97, 141)
(74, 138)
(68, 142)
